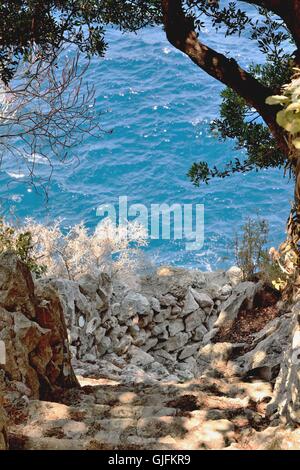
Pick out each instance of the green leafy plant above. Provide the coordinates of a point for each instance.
(250, 246)
(21, 244)
(253, 257)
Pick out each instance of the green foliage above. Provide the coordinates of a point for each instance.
(253, 257)
(271, 273)
(239, 121)
(250, 251)
(43, 27)
(21, 244)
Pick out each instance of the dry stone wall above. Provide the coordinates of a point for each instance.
(151, 333)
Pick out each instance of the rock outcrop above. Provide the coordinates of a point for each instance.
(33, 332)
(3, 431)
(286, 398)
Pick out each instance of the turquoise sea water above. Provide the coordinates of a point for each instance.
(159, 106)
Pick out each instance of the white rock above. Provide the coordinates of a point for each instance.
(168, 300)
(138, 357)
(164, 357)
(136, 303)
(157, 369)
(235, 275)
(199, 333)
(194, 320)
(176, 326)
(145, 320)
(89, 285)
(124, 345)
(140, 339)
(176, 310)
(99, 334)
(226, 291)
(203, 299)
(90, 358)
(243, 294)
(134, 330)
(155, 305)
(176, 342)
(150, 343)
(160, 330)
(104, 345)
(92, 325)
(163, 315)
(190, 350)
(190, 304)
(116, 309)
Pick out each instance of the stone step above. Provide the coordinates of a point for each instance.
(190, 416)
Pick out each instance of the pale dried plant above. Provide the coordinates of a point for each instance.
(71, 255)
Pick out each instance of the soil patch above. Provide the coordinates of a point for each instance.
(249, 322)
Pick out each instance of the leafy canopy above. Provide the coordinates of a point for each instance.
(238, 120)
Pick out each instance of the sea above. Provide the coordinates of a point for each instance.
(154, 108)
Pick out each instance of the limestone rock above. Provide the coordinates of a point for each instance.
(155, 305)
(190, 350)
(163, 315)
(199, 333)
(242, 295)
(3, 431)
(138, 357)
(235, 275)
(176, 342)
(135, 303)
(104, 346)
(16, 286)
(176, 326)
(194, 320)
(204, 301)
(165, 358)
(150, 343)
(286, 400)
(271, 344)
(35, 334)
(190, 304)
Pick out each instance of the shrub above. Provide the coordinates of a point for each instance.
(250, 251)
(253, 257)
(20, 242)
(72, 254)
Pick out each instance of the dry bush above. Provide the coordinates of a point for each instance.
(111, 249)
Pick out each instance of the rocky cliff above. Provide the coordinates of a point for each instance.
(33, 330)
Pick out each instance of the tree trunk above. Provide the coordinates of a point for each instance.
(290, 248)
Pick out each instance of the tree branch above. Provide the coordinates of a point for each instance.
(289, 11)
(181, 33)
